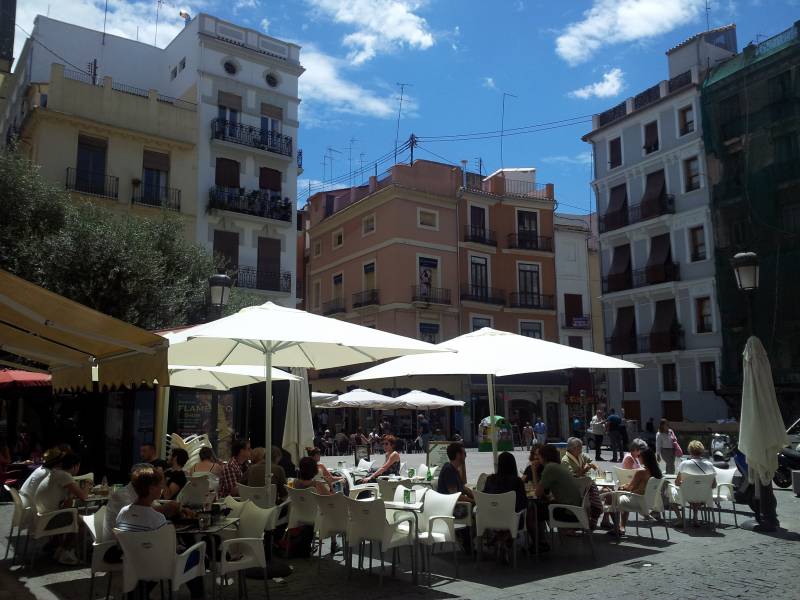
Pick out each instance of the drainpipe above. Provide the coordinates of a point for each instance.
(466, 435)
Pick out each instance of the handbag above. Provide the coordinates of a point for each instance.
(676, 447)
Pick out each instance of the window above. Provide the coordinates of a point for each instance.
(271, 79)
(337, 291)
(669, 377)
(478, 273)
(628, 380)
(615, 153)
(528, 282)
(174, 73)
(527, 229)
(651, 137)
(705, 323)
(226, 173)
(182, 64)
(429, 332)
(686, 120)
(480, 323)
(697, 243)
(155, 176)
(230, 67)
(427, 219)
(337, 238)
(368, 225)
(691, 174)
(317, 248)
(532, 329)
(368, 277)
(90, 174)
(708, 376)
(317, 295)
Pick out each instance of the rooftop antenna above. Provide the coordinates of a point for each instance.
(708, 19)
(330, 150)
(350, 158)
(403, 87)
(502, 125)
(361, 158)
(105, 17)
(158, 9)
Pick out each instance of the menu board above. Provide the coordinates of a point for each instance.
(437, 454)
(360, 452)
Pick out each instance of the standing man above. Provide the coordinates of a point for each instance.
(423, 431)
(540, 429)
(614, 424)
(527, 436)
(597, 426)
(232, 471)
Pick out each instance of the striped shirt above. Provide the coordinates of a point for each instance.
(135, 517)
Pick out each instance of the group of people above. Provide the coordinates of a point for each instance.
(614, 426)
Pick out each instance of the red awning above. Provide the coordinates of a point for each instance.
(10, 378)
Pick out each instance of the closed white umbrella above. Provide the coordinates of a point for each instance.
(762, 433)
(272, 335)
(418, 400)
(298, 430)
(493, 353)
(221, 378)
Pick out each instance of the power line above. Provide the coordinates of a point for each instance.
(505, 134)
(53, 52)
(439, 156)
(403, 87)
(496, 133)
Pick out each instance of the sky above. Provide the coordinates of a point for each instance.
(465, 62)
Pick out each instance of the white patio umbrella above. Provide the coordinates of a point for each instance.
(493, 353)
(417, 400)
(762, 434)
(359, 398)
(320, 397)
(286, 337)
(298, 430)
(221, 378)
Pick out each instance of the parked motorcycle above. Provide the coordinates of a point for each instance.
(788, 461)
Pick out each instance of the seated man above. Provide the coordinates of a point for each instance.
(148, 484)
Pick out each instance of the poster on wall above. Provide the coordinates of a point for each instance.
(437, 454)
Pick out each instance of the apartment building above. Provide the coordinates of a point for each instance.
(205, 127)
(656, 241)
(431, 252)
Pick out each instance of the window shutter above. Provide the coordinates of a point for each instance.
(227, 173)
(274, 112)
(155, 160)
(269, 179)
(231, 101)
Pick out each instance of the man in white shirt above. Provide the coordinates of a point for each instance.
(52, 459)
(598, 428)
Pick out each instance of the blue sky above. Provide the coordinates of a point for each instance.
(560, 60)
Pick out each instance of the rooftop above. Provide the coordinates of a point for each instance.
(702, 34)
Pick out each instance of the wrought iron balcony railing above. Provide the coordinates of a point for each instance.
(92, 182)
(430, 295)
(365, 298)
(261, 203)
(479, 235)
(530, 241)
(254, 137)
(258, 279)
(576, 321)
(644, 211)
(480, 293)
(332, 307)
(639, 278)
(531, 300)
(158, 196)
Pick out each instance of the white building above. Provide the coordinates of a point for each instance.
(571, 235)
(241, 87)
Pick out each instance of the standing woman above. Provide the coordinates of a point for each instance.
(665, 446)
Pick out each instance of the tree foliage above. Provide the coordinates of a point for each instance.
(140, 270)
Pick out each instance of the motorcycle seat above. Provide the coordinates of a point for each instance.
(792, 454)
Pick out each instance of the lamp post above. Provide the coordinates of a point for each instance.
(219, 287)
(746, 270)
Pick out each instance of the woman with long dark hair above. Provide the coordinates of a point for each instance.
(637, 487)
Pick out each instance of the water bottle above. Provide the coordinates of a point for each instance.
(429, 476)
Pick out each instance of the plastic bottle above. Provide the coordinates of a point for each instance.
(429, 476)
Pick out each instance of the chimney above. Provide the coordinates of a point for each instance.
(373, 183)
(464, 173)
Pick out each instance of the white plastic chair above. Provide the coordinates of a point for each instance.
(365, 465)
(387, 487)
(403, 471)
(43, 526)
(246, 550)
(623, 476)
(481, 482)
(437, 525)
(423, 471)
(213, 480)
(257, 495)
(498, 511)
(697, 492)
(724, 492)
(581, 514)
(366, 522)
(100, 545)
(302, 508)
(21, 519)
(235, 506)
(651, 501)
(331, 520)
(356, 490)
(195, 492)
(151, 556)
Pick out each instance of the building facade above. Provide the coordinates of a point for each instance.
(432, 252)
(656, 242)
(206, 127)
(751, 123)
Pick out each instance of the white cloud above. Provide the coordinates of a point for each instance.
(488, 82)
(265, 25)
(609, 86)
(242, 4)
(610, 22)
(582, 158)
(380, 25)
(323, 83)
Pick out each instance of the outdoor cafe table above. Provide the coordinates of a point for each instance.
(415, 508)
(211, 531)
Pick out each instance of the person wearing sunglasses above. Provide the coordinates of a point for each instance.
(392, 464)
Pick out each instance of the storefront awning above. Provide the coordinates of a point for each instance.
(70, 338)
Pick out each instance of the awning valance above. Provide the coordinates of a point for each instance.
(70, 338)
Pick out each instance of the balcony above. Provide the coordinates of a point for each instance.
(648, 96)
(679, 81)
(613, 220)
(91, 182)
(252, 137)
(480, 293)
(157, 196)
(333, 307)
(430, 295)
(530, 300)
(261, 203)
(642, 277)
(257, 279)
(612, 114)
(479, 235)
(662, 342)
(365, 298)
(617, 282)
(576, 321)
(530, 241)
(621, 345)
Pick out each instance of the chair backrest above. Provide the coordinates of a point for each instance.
(95, 523)
(697, 489)
(213, 480)
(331, 514)
(348, 478)
(494, 511)
(365, 465)
(724, 475)
(423, 470)
(235, 506)
(387, 487)
(148, 555)
(257, 495)
(18, 518)
(481, 482)
(653, 500)
(195, 491)
(403, 472)
(302, 506)
(624, 476)
(365, 520)
(252, 521)
(437, 505)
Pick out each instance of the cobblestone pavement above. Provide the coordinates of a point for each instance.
(695, 563)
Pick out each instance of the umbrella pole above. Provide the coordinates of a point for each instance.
(268, 425)
(492, 424)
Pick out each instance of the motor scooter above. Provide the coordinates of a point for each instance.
(788, 461)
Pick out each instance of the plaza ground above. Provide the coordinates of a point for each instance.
(695, 563)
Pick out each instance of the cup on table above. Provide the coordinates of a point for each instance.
(204, 520)
(609, 478)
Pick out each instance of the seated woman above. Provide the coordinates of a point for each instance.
(307, 477)
(637, 485)
(506, 480)
(207, 463)
(323, 473)
(695, 464)
(632, 458)
(175, 475)
(391, 465)
(533, 471)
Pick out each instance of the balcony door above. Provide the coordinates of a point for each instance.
(573, 309)
(528, 282)
(91, 165)
(226, 244)
(479, 276)
(155, 177)
(268, 273)
(271, 123)
(527, 229)
(477, 221)
(369, 277)
(229, 107)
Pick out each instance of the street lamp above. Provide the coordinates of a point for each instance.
(745, 267)
(219, 286)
